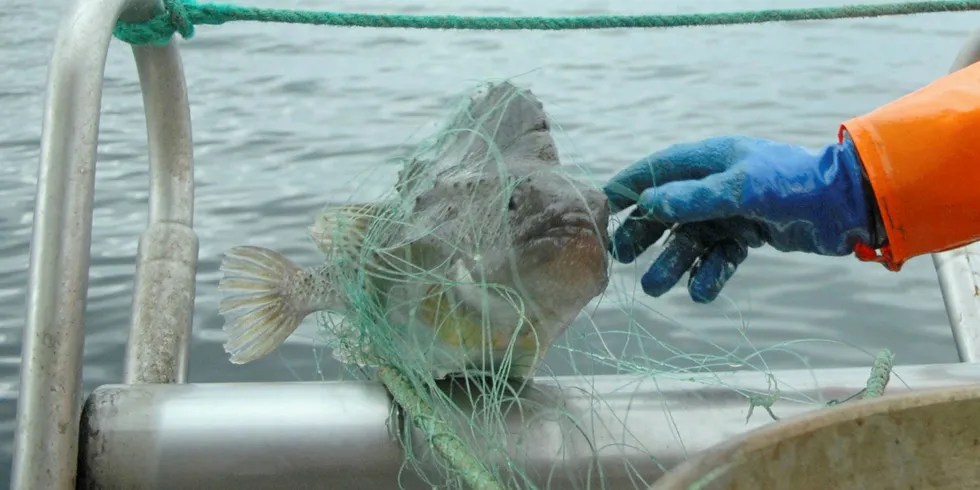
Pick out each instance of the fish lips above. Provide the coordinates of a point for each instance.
(573, 227)
(582, 233)
(572, 255)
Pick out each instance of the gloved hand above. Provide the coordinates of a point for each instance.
(727, 194)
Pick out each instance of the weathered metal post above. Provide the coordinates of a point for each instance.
(959, 269)
(166, 264)
(46, 438)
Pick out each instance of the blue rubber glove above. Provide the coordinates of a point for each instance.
(728, 194)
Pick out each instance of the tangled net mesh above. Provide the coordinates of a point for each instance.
(487, 431)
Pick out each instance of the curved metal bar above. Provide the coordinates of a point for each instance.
(46, 438)
(959, 269)
(166, 264)
(168, 125)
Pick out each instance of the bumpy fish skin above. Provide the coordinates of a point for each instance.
(483, 257)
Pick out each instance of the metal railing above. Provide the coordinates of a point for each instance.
(46, 438)
(614, 432)
(156, 432)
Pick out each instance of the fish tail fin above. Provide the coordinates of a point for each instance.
(258, 309)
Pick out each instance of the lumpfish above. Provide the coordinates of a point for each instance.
(487, 251)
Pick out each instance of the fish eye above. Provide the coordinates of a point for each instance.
(512, 204)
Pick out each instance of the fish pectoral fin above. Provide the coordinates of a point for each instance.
(344, 228)
(258, 313)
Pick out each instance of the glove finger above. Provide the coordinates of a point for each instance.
(679, 254)
(751, 234)
(715, 268)
(677, 162)
(634, 236)
(714, 197)
(748, 232)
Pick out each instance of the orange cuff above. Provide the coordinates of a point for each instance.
(922, 157)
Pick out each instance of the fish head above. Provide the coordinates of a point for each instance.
(493, 197)
(532, 229)
(555, 246)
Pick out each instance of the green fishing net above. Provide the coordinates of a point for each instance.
(589, 428)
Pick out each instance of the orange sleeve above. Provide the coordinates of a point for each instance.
(921, 154)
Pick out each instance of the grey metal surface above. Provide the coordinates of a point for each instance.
(337, 435)
(46, 438)
(166, 264)
(163, 305)
(240, 436)
(959, 269)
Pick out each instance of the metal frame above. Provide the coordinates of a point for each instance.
(143, 434)
(46, 438)
(166, 263)
(613, 432)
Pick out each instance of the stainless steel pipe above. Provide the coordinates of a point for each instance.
(166, 262)
(620, 431)
(46, 438)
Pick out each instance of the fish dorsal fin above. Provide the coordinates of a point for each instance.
(501, 117)
(412, 171)
(344, 229)
(497, 120)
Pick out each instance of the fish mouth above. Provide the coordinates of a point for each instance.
(573, 254)
(573, 247)
(573, 227)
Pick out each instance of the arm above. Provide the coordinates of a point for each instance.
(921, 155)
(903, 180)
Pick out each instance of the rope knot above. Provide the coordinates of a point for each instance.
(158, 30)
(178, 17)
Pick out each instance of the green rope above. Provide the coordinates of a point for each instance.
(881, 373)
(180, 16)
(765, 401)
(440, 435)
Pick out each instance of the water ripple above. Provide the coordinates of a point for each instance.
(288, 119)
